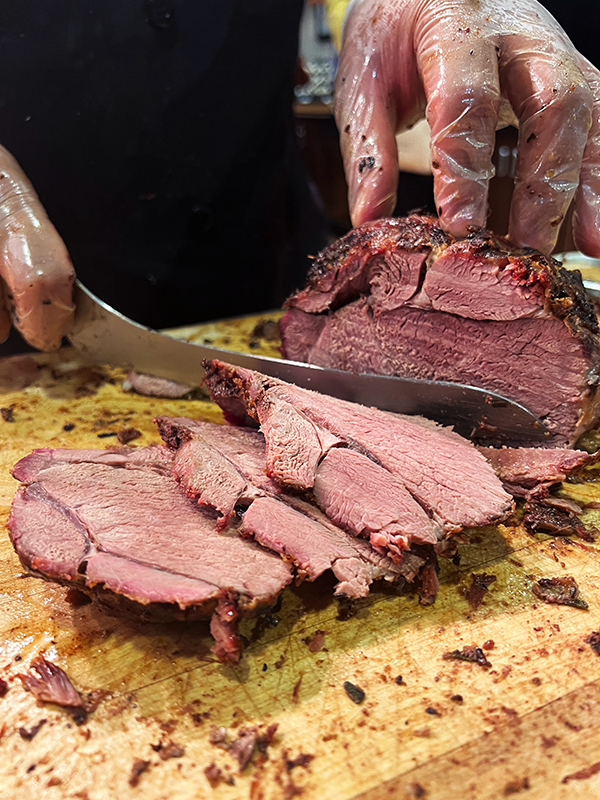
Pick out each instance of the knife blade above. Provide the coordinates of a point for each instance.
(108, 337)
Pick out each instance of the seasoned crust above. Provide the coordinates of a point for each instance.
(415, 232)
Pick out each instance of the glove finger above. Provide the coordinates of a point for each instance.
(553, 102)
(586, 217)
(367, 139)
(460, 78)
(378, 92)
(34, 262)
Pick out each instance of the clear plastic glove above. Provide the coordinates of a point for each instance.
(35, 268)
(472, 66)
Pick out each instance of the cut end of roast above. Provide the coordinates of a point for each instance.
(400, 297)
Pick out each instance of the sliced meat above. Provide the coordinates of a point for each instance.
(119, 523)
(401, 297)
(362, 497)
(442, 471)
(315, 547)
(219, 466)
(530, 471)
(288, 525)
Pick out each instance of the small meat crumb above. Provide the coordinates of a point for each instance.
(3, 687)
(583, 774)
(399, 680)
(355, 693)
(563, 591)
(168, 750)
(265, 739)
(7, 414)
(68, 426)
(217, 735)
(243, 747)
(432, 711)
(301, 760)
(126, 435)
(296, 690)
(215, 775)
(478, 589)
(471, 653)
(138, 768)
(457, 698)
(415, 790)
(594, 641)
(315, 641)
(51, 685)
(539, 518)
(515, 786)
(29, 733)
(422, 733)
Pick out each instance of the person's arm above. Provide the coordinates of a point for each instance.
(35, 270)
(470, 66)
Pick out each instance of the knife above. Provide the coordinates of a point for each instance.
(105, 335)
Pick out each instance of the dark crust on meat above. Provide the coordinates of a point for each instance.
(564, 295)
(228, 391)
(120, 605)
(415, 232)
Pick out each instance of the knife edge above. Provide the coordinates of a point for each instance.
(107, 336)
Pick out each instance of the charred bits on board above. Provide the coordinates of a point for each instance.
(470, 653)
(355, 693)
(480, 584)
(563, 591)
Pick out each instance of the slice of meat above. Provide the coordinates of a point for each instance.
(314, 546)
(288, 525)
(401, 297)
(442, 471)
(118, 523)
(529, 471)
(362, 497)
(219, 466)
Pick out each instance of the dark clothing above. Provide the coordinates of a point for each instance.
(159, 138)
(581, 20)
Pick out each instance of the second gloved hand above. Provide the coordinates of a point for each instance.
(35, 270)
(472, 65)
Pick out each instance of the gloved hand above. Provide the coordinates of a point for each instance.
(472, 66)
(36, 272)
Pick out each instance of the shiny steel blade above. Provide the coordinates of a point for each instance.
(108, 337)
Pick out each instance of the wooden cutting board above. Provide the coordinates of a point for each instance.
(527, 726)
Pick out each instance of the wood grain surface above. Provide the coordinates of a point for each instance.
(528, 726)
